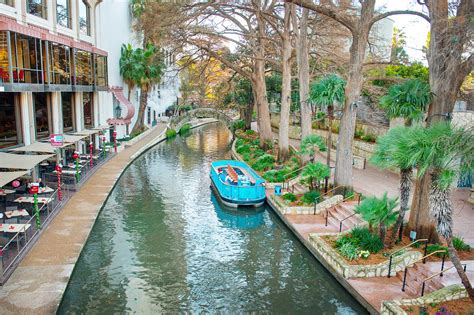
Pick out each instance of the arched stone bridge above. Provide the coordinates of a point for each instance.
(178, 121)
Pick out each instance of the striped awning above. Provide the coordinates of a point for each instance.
(6, 177)
(21, 161)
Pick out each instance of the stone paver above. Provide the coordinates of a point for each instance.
(37, 285)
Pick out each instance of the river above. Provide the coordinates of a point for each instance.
(163, 244)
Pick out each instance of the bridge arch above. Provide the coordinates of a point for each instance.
(178, 121)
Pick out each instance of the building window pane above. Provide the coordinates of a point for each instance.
(8, 2)
(84, 18)
(59, 64)
(37, 7)
(41, 115)
(26, 63)
(88, 110)
(68, 114)
(83, 68)
(63, 13)
(101, 70)
(4, 74)
(8, 128)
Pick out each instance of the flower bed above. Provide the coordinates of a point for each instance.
(285, 208)
(353, 269)
(462, 306)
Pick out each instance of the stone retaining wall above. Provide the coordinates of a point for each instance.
(320, 207)
(449, 293)
(339, 264)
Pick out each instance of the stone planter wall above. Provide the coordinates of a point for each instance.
(449, 293)
(283, 208)
(338, 263)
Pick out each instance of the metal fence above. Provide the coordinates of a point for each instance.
(17, 246)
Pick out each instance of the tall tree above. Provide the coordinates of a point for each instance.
(327, 93)
(450, 60)
(359, 24)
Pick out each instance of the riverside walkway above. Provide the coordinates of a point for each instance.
(37, 285)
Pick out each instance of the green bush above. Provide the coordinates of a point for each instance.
(250, 132)
(238, 124)
(435, 247)
(264, 162)
(459, 244)
(170, 133)
(361, 238)
(246, 157)
(290, 197)
(242, 149)
(311, 197)
(256, 142)
(184, 129)
(258, 153)
(276, 176)
(349, 251)
(369, 138)
(239, 142)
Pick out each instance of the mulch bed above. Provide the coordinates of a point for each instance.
(455, 307)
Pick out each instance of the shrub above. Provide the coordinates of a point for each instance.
(238, 124)
(345, 239)
(258, 153)
(349, 251)
(290, 197)
(245, 148)
(250, 132)
(311, 197)
(369, 138)
(170, 133)
(435, 247)
(264, 162)
(276, 176)
(185, 129)
(459, 244)
(362, 238)
(359, 133)
(256, 142)
(246, 157)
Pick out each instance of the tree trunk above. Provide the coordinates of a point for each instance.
(140, 123)
(283, 140)
(303, 75)
(405, 187)
(453, 255)
(382, 232)
(248, 111)
(329, 141)
(360, 34)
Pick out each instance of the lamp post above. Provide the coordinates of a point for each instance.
(114, 134)
(59, 170)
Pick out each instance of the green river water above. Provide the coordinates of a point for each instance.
(163, 244)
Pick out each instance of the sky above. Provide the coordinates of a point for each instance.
(415, 28)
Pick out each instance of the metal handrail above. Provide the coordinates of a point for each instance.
(424, 260)
(286, 179)
(327, 192)
(439, 273)
(400, 249)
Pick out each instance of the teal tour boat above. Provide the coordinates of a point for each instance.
(236, 184)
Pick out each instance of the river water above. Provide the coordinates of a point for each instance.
(163, 244)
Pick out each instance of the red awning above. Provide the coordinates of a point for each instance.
(9, 24)
(118, 94)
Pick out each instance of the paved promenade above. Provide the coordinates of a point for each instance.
(37, 285)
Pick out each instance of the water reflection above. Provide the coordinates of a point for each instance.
(239, 219)
(163, 244)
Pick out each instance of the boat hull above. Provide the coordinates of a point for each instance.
(235, 203)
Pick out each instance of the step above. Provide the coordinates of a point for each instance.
(342, 214)
(345, 225)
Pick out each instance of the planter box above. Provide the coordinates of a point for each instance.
(449, 293)
(339, 264)
(283, 208)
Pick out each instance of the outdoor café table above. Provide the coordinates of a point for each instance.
(31, 199)
(17, 214)
(14, 228)
(67, 172)
(45, 190)
(4, 192)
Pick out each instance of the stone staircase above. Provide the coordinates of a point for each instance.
(414, 281)
(344, 210)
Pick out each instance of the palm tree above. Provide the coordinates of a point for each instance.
(391, 152)
(313, 173)
(311, 144)
(444, 152)
(408, 100)
(127, 66)
(326, 93)
(379, 212)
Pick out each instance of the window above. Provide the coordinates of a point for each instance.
(63, 13)
(26, 59)
(37, 8)
(8, 127)
(59, 63)
(4, 74)
(68, 111)
(84, 18)
(83, 68)
(41, 115)
(8, 2)
(101, 70)
(88, 107)
(117, 108)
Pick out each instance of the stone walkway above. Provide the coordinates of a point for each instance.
(37, 285)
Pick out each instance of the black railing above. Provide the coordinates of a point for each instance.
(404, 247)
(421, 259)
(436, 274)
